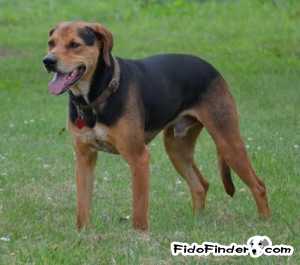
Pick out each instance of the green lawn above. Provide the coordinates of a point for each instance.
(255, 44)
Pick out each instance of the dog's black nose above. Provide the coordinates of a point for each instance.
(50, 62)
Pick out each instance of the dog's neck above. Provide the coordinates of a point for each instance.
(81, 89)
(101, 77)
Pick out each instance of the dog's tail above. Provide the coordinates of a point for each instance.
(226, 176)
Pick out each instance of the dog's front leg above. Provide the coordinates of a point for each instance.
(138, 160)
(139, 166)
(84, 169)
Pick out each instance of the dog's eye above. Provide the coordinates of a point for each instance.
(74, 45)
(51, 43)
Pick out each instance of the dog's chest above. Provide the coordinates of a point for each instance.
(98, 138)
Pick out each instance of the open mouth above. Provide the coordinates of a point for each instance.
(62, 81)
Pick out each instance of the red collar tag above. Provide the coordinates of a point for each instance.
(80, 123)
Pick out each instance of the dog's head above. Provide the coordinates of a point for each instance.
(73, 52)
(257, 244)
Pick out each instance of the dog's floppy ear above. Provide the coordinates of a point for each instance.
(51, 31)
(106, 38)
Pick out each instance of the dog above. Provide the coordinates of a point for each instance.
(257, 245)
(119, 105)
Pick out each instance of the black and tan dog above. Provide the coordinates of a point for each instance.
(119, 106)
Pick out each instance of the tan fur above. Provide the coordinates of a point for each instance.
(216, 112)
(69, 59)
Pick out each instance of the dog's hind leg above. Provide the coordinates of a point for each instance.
(217, 112)
(181, 152)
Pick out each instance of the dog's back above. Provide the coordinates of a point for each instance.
(169, 84)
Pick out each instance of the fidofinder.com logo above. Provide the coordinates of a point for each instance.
(256, 246)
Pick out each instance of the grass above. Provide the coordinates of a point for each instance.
(255, 44)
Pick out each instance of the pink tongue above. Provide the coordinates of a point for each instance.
(58, 84)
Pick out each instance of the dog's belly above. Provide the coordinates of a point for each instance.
(149, 136)
(101, 141)
(97, 138)
(105, 147)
